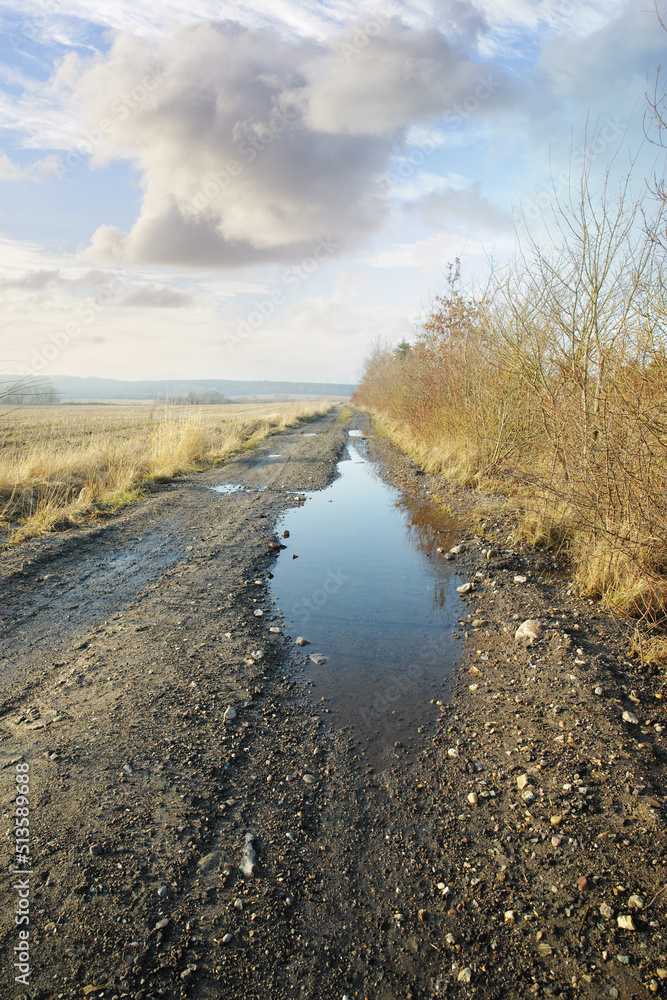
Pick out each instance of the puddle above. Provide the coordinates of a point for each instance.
(227, 488)
(371, 593)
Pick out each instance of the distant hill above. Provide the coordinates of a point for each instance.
(73, 387)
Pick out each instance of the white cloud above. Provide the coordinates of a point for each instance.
(37, 171)
(252, 149)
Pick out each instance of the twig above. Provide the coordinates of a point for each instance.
(658, 893)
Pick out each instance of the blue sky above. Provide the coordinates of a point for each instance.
(259, 191)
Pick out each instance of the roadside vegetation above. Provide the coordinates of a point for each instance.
(65, 465)
(549, 386)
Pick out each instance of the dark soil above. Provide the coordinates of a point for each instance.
(124, 647)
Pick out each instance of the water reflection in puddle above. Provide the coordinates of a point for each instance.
(371, 593)
(227, 488)
(275, 456)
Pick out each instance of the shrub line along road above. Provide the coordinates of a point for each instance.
(494, 860)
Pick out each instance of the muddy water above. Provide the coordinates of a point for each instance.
(369, 590)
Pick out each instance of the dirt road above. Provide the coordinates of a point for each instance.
(195, 829)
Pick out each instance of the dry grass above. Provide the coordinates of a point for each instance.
(61, 466)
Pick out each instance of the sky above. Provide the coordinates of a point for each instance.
(201, 189)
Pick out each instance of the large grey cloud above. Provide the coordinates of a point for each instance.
(252, 148)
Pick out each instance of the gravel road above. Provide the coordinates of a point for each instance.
(196, 830)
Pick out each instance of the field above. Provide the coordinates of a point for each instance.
(64, 465)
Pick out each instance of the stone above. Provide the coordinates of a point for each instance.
(258, 612)
(472, 798)
(422, 915)
(636, 902)
(556, 841)
(556, 820)
(285, 533)
(625, 922)
(275, 630)
(162, 924)
(599, 691)
(606, 911)
(318, 659)
(531, 629)
(226, 938)
(162, 891)
(452, 752)
(582, 883)
(520, 579)
(310, 779)
(465, 975)
(631, 719)
(456, 550)
(300, 641)
(522, 781)
(528, 797)
(208, 862)
(248, 856)
(475, 672)
(510, 916)
(230, 713)
(465, 588)
(478, 622)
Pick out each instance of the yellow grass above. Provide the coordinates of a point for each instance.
(63, 465)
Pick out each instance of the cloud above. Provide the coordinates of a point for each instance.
(252, 148)
(34, 281)
(466, 207)
(157, 297)
(38, 171)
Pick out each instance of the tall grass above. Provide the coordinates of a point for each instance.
(552, 382)
(61, 466)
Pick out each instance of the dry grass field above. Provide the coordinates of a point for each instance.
(64, 465)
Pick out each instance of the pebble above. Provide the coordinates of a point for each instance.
(162, 891)
(528, 797)
(623, 959)
(472, 798)
(456, 550)
(208, 862)
(636, 901)
(127, 769)
(630, 718)
(452, 752)
(522, 781)
(161, 924)
(227, 938)
(248, 856)
(556, 820)
(530, 629)
(582, 883)
(625, 922)
(556, 841)
(465, 588)
(520, 579)
(478, 622)
(599, 691)
(258, 612)
(310, 779)
(230, 713)
(318, 659)
(275, 630)
(606, 911)
(510, 916)
(465, 975)
(300, 641)
(285, 533)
